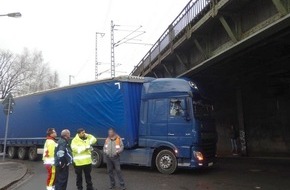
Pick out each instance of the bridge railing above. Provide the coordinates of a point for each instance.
(193, 11)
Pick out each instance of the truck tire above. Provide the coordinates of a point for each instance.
(166, 162)
(22, 153)
(1, 148)
(97, 158)
(32, 153)
(12, 152)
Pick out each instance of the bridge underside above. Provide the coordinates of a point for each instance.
(240, 57)
(251, 90)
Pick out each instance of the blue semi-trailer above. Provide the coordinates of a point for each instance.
(163, 122)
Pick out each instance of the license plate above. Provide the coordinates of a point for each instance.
(210, 164)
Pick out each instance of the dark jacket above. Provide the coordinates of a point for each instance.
(63, 153)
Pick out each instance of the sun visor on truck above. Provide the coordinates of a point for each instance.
(168, 85)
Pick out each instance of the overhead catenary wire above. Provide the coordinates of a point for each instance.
(125, 40)
(131, 33)
(107, 15)
(82, 67)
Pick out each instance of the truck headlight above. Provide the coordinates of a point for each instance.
(198, 155)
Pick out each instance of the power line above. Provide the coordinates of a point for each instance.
(136, 43)
(108, 70)
(126, 39)
(133, 34)
(82, 67)
(107, 14)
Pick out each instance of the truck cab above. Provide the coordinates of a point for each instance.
(176, 124)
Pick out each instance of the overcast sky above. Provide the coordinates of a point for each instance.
(64, 30)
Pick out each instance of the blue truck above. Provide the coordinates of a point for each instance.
(165, 123)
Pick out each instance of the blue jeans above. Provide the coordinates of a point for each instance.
(234, 145)
(113, 165)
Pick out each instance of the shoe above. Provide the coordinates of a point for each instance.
(112, 187)
(123, 187)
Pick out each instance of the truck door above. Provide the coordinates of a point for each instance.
(157, 119)
(180, 124)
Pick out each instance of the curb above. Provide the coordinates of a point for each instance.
(16, 180)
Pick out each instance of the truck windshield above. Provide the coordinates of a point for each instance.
(202, 110)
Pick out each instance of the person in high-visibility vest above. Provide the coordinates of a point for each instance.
(112, 150)
(48, 157)
(81, 148)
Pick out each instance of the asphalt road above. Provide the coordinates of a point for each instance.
(228, 174)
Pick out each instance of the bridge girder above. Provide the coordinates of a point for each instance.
(223, 26)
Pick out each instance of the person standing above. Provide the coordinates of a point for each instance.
(63, 158)
(112, 149)
(48, 157)
(81, 148)
(234, 135)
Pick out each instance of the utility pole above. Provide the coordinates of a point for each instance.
(8, 104)
(97, 62)
(70, 77)
(113, 66)
(130, 38)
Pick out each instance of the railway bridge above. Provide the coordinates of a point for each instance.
(238, 51)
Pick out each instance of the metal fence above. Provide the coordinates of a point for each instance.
(192, 12)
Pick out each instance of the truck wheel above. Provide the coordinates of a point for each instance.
(12, 152)
(32, 154)
(97, 158)
(166, 162)
(22, 153)
(1, 148)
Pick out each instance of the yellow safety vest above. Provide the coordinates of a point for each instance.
(81, 150)
(48, 151)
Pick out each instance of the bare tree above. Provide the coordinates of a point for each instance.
(12, 72)
(53, 81)
(25, 73)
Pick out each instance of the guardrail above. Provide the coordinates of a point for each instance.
(192, 12)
